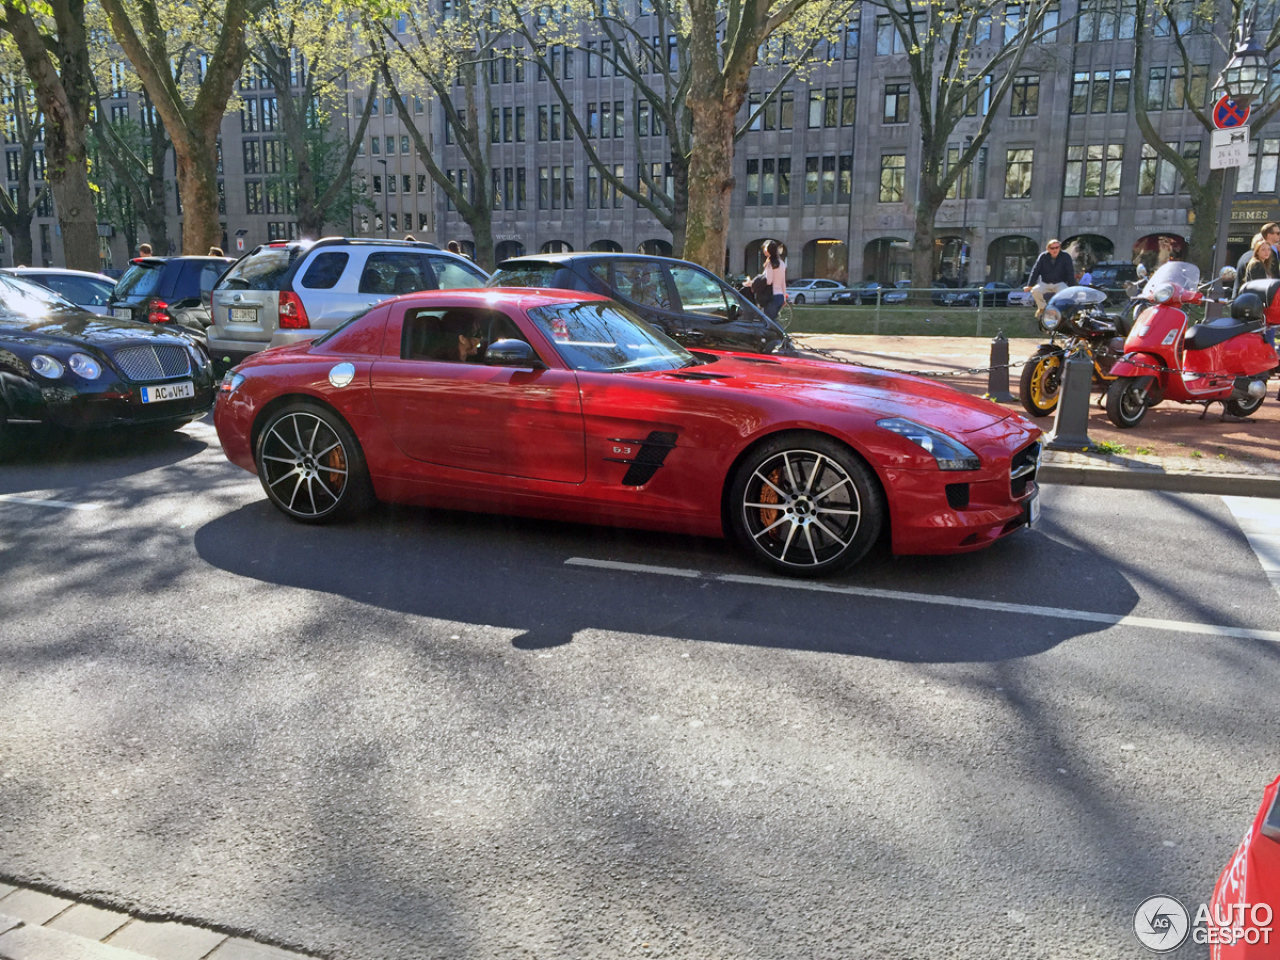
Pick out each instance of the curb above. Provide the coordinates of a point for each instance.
(1218, 484)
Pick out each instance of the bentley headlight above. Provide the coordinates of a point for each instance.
(46, 366)
(83, 365)
(950, 454)
(1051, 319)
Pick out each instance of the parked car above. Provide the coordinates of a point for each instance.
(812, 291)
(91, 291)
(867, 292)
(564, 405)
(994, 294)
(1019, 298)
(1110, 277)
(168, 290)
(689, 304)
(64, 367)
(287, 291)
(1247, 895)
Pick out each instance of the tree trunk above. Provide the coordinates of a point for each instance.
(198, 185)
(1207, 207)
(155, 214)
(710, 180)
(482, 234)
(680, 208)
(23, 249)
(922, 240)
(73, 199)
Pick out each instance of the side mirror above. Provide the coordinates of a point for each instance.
(511, 353)
(731, 315)
(1227, 275)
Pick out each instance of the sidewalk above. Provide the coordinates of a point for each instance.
(1172, 449)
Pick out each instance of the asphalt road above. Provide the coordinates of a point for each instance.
(427, 735)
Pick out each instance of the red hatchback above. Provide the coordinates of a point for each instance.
(566, 406)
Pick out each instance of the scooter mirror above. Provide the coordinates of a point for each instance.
(1227, 275)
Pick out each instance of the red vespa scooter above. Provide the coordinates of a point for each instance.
(1225, 360)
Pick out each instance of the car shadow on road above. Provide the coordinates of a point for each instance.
(510, 572)
(39, 461)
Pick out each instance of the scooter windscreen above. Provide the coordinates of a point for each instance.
(1179, 273)
(1073, 298)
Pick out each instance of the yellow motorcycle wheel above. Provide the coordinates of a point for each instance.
(1041, 383)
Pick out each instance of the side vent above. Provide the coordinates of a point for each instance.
(958, 496)
(648, 459)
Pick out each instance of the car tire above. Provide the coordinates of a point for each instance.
(311, 465)
(829, 506)
(1126, 402)
(799, 299)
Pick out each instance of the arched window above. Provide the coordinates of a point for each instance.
(1009, 259)
(825, 259)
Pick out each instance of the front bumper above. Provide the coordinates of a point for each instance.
(937, 512)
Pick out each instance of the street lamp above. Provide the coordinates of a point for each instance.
(386, 202)
(1243, 79)
(967, 183)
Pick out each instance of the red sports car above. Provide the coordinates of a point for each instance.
(565, 406)
(1241, 921)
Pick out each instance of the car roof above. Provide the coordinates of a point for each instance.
(589, 255)
(54, 272)
(525, 298)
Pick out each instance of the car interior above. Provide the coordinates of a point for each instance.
(437, 335)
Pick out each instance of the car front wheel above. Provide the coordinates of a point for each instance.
(799, 298)
(806, 505)
(311, 465)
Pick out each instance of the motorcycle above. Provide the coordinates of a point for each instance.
(1223, 361)
(1074, 318)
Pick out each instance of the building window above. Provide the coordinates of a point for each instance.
(1024, 96)
(888, 39)
(1106, 20)
(893, 177)
(519, 124)
(897, 102)
(271, 160)
(1259, 174)
(844, 185)
(1017, 173)
(1155, 88)
(972, 181)
(404, 145)
(753, 183)
(252, 156)
(375, 146)
(1093, 170)
(812, 178)
(1120, 91)
(543, 123)
(119, 112)
(593, 186)
(270, 113)
(786, 110)
(852, 36)
(253, 196)
(848, 106)
(249, 122)
(544, 188)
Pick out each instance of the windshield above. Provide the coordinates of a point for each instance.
(604, 338)
(22, 298)
(525, 275)
(1178, 272)
(262, 270)
(1074, 297)
(140, 280)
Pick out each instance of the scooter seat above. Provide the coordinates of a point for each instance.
(1205, 335)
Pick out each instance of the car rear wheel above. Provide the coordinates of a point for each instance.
(799, 298)
(311, 465)
(806, 505)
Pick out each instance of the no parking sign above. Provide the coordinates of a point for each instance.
(1229, 114)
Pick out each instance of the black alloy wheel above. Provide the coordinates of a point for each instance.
(311, 465)
(806, 505)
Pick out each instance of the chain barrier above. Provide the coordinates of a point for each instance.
(937, 374)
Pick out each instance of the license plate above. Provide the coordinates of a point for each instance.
(1033, 511)
(169, 391)
(244, 315)
(122, 313)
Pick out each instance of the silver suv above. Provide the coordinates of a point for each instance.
(284, 292)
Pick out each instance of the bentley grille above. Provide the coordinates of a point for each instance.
(163, 362)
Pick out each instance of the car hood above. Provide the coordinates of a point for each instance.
(80, 326)
(839, 386)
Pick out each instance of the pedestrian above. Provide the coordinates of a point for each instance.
(1086, 279)
(410, 238)
(1269, 232)
(1053, 271)
(775, 274)
(455, 247)
(144, 249)
(1263, 264)
(216, 252)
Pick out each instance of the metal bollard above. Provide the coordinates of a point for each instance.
(1071, 422)
(998, 375)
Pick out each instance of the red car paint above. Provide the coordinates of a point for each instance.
(545, 443)
(1251, 878)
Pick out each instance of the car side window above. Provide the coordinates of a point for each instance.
(699, 292)
(453, 275)
(391, 274)
(642, 282)
(325, 270)
(209, 274)
(455, 335)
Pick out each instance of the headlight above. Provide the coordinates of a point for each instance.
(83, 365)
(230, 383)
(46, 366)
(1051, 318)
(1163, 293)
(950, 454)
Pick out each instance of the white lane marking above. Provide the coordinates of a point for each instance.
(632, 567)
(1259, 521)
(61, 504)
(941, 600)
